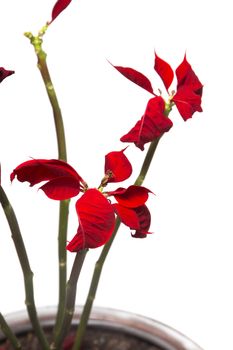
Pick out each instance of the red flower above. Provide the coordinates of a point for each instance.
(155, 121)
(4, 73)
(95, 213)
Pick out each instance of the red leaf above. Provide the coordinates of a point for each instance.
(96, 221)
(61, 188)
(4, 73)
(164, 70)
(138, 219)
(63, 180)
(151, 126)
(186, 77)
(58, 8)
(118, 166)
(127, 216)
(131, 197)
(189, 91)
(136, 77)
(187, 102)
(144, 218)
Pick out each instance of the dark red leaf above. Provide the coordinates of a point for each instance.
(4, 73)
(131, 197)
(61, 188)
(144, 218)
(127, 215)
(136, 77)
(96, 221)
(117, 166)
(63, 180)
(58, 8)
(137, 219)
(164, 70)
(151, 126)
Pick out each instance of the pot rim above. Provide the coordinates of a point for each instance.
(143, 327)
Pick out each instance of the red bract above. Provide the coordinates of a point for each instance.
(58, 8)
(164, 70)
(131, 204)
(4, 73)
(131, 197)
(144, 217)
(186, 77)
(187, 102)
(189, 91)
(96, 221)
(136, 77)
(96, 214)
(117, 166)
(63, 181)
(151, 126)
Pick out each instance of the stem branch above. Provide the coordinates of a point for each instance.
(37, 42)
(24, 262)
(9, 334)
(93, 288)
(71, 288)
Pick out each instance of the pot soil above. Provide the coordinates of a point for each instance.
(108, 330)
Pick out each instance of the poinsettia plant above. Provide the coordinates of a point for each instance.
(100, 211)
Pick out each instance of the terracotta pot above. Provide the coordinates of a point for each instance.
(153, 332)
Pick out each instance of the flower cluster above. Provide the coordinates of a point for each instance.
(155, 121)
(95, 212)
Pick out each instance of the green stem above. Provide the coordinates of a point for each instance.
(93, 288)
(63, 328)
(37, 41)
(100, 262)
(147, 161)
(9, 334)
(62, 256)
(24, 262)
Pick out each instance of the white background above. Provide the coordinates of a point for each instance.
(181, 274)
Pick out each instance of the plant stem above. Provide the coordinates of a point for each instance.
(9, 334)
(93, 288)
(70, 299)
(147, 161)
(24, 262)
(37, 41)
(100, 262)
(62, 256)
